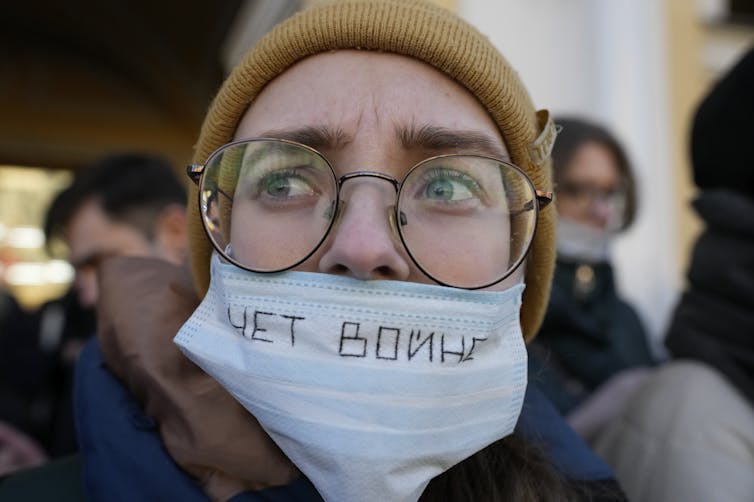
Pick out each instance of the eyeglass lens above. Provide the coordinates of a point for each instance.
(465, 221)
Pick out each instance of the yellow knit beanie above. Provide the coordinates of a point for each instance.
(412, 28)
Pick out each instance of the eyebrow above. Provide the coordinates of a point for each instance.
(427, 136)
(314, 137)
(442, 138)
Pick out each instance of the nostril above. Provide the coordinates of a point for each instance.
(339, 269)
(384, 271)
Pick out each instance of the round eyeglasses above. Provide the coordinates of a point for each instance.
(465, 221)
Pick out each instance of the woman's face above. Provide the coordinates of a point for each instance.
(590, 190)
(369, 111)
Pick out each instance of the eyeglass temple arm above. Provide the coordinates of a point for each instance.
(194, 172)
(543, 198)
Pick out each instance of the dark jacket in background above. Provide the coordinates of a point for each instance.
(36, 369)
(588, 335)
(714, 321)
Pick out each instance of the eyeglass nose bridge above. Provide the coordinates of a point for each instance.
(393, 218)
(369, 174)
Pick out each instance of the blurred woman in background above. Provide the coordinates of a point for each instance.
(589, 334)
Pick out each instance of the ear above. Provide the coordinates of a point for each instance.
(171, 235)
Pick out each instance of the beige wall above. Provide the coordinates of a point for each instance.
(699, 50)
(686, 85)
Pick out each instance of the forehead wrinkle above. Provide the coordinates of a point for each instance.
(432, 137)
(320, 136)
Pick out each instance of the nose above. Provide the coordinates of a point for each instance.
(363, 244)
(601, 211)
(85, 284)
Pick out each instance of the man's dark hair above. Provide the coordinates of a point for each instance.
(132, 188)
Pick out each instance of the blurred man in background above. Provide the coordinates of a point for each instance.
(128, 205)
(124, 204)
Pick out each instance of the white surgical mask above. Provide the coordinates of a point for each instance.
(582, 243)
(372, 388)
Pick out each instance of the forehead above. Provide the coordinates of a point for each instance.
(365, 96)
(593, 162)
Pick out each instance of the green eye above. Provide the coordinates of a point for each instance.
(276, 186)
(285, 184)
(447, 185)
(447, 190)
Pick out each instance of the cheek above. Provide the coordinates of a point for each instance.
(270, 240)
(467, 252)
(266, 244)
(457, 263)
